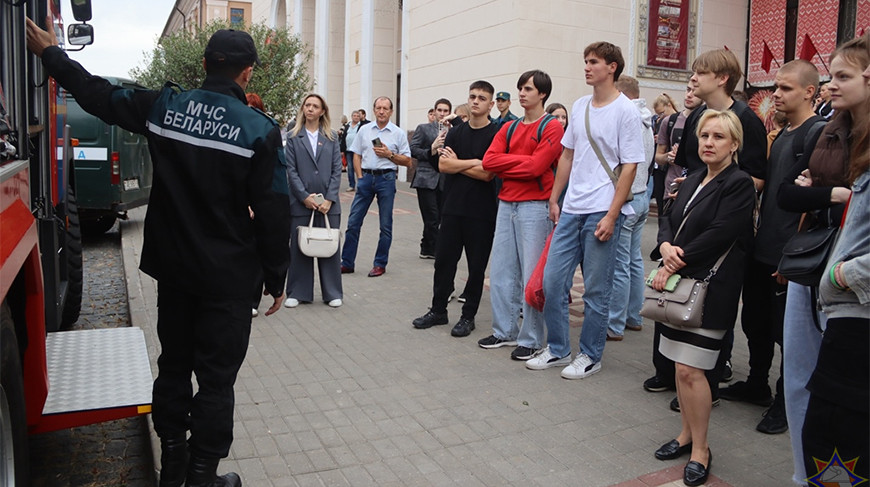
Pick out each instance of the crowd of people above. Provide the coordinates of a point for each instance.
(551, 190)
(729, 196)
(558, 189)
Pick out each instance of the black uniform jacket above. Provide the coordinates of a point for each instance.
(213, 158)
(721, 214)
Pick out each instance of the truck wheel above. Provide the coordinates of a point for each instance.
(98, 226)
(14, 468)
(72, 306)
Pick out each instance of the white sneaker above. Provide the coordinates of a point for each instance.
(335, 303)
(581, 368)
(291, 303)
(544, 360)
(254, 313)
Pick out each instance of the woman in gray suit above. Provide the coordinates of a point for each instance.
(313, 169)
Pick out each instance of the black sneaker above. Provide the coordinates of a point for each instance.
(746, 392)
(461, 298)
(493, 342)
(657, 384)
(675, 404)
(523, 353)
(463, 327)
(774, 421)
(727, 372)
(429, 320)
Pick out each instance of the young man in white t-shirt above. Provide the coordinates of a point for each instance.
(595, 205)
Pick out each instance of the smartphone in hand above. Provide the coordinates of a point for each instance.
(377, 142)
(318, 199)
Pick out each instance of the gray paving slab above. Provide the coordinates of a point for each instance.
(356, 396)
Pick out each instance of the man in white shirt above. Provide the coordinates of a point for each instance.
(626, 298)
(588, 224)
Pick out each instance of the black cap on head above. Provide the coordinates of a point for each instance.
(232, 47)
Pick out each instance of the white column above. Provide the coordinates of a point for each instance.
(403, 89)
(403, 66)
(297, 17)
(366, 60)
(348, 59)
(321, 47)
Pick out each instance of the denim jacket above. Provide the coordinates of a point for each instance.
(853, 249)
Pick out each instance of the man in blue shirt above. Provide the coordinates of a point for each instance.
(378, 149)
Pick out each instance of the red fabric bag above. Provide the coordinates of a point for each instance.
(535, 286)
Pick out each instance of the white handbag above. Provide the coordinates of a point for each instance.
(317, 241)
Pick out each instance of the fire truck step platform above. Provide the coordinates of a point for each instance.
(96, 375)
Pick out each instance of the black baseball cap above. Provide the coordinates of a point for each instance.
(232, 47)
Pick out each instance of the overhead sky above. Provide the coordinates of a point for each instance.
(124, 30)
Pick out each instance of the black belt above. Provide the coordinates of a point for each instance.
(378, 172)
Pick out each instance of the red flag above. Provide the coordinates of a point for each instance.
(808, 50)
(766, 57)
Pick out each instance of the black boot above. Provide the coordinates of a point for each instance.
(173, 461)
(202, 472)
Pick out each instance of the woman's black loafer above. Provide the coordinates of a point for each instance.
(672, 449)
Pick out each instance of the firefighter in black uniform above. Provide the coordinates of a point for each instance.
(213, 158)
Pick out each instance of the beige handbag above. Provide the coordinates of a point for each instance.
(317, 241)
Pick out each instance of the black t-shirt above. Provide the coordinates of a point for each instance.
(463, 195)
(752, 157)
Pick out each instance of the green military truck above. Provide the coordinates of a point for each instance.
(113, 171)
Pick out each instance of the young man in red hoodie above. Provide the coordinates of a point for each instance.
(524, 162)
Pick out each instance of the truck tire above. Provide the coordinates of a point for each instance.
(98, 226)
(72, 305)
(14, 469)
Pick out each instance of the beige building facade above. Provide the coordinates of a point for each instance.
(416, 51)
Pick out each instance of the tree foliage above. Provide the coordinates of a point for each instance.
(281, 79)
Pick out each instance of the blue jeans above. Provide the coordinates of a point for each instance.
(521, 230)
(801, 342)
(348, 156)
(384, 187)
(574, 243)
(626, 298)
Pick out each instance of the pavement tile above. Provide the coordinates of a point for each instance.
(356, 396)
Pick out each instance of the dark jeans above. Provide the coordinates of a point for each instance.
(429, 201)
(384, 187)
(206, 337)
(762, 318)
(475, 236)
(837, 414)
(351, 176)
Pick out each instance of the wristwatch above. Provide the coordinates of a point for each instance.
(391, 157)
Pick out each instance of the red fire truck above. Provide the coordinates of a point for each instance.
(49, 379)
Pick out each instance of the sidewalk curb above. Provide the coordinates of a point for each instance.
(139, 313)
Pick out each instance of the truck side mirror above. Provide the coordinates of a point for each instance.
(81, 10)
(80, 34)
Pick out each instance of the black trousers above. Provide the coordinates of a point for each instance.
(429, 201)
(206, 337)
(762, 318)
(658, 194)
(475, 236)
(666, 370)
(837, 414)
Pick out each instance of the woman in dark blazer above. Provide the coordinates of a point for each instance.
(714, 207)
(313, 168)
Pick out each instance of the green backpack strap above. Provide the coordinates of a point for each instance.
(510, 133)
(513, 126)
